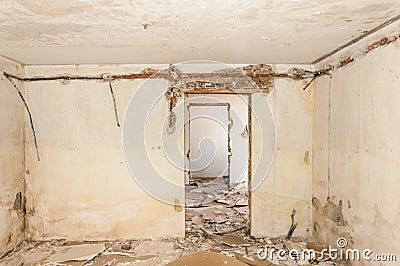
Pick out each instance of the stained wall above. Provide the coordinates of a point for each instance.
(356, 150)
(12, 188)
(82, 187)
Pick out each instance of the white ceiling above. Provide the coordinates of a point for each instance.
(230, 31)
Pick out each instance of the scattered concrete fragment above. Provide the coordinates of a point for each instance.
(219, 225)
(233, 240)
(206, 258)
(154, 248)
(116, 259)
(252, 260)
(164, 251)
(218, 216)
(242, 202)
(83, 252)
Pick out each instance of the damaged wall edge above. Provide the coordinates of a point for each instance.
(359, 38)
(256, 72)
(355, 145)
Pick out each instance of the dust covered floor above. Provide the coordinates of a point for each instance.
(216, 234)
(225, 249)
(214, 208)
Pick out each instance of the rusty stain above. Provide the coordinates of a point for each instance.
(345, 61)
(172, 103)
(375, 45)
(262, 73)
(348, 59)
(146, 26)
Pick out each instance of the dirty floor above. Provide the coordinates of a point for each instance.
(216, 234)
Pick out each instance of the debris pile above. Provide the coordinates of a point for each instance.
(216, 234)
(213, 208)
(216, 249)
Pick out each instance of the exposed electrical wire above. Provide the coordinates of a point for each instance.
(318, 74)
(115, 104)
(309, 83)
(30, 116)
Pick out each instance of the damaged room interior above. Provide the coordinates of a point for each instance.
(199, 132)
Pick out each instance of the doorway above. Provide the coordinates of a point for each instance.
(217, 147)
(209, 140)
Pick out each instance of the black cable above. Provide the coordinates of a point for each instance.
(30, 116)
(115, 104)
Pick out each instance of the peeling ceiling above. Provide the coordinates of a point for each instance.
(170, 31)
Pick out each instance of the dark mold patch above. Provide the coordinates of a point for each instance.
(18, 202)
(330, 210)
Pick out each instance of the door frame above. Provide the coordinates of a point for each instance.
(249, 123)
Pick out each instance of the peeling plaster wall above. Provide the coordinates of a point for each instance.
(11, 161)
(82, 188)
(356, 152)
(288, 184)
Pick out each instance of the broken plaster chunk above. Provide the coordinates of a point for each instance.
(179, 246)
(126, 247)
(206, 258)
(83, 252)
(242, 202)
(198, 219)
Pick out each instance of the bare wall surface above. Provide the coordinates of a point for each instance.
(288, 184)
(11, 161)
(82, 188)
(356, 150)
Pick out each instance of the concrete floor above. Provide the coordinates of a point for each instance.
(217, 233)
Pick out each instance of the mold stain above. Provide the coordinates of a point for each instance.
(330, 210)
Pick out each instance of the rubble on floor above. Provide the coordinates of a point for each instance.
(229, 249)
(216, 234)
(206, 258)
(214, 208)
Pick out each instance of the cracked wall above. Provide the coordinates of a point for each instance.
(11, 162)
(356, 150)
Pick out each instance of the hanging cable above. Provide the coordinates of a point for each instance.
(115, 104)
(30, 116)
